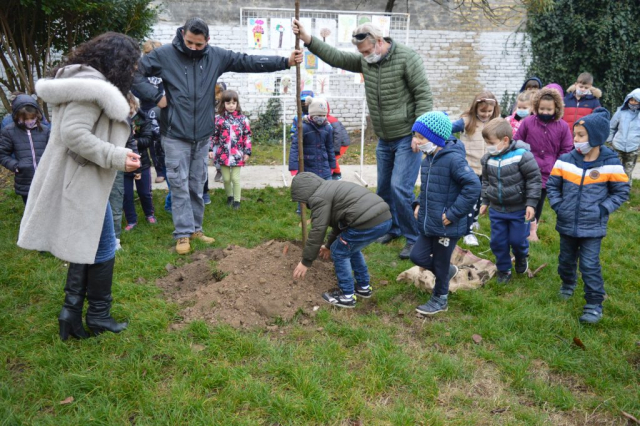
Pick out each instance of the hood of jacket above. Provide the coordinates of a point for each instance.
(534, 78)
(304, 185)
(452, 146)
(179, 45)
(635, 94)
(22, 101)
(82, 83)
(595, 92)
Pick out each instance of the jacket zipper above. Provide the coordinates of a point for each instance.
(500, 183)
(426, 191)
(379, 99)
(195, 79)
(575, 222)
(33, 151)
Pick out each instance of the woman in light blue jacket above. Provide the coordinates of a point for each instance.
(625, 132)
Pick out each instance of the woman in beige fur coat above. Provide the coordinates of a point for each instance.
(68, 212)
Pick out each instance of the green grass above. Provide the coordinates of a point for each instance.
(377, 364)
(271, 155)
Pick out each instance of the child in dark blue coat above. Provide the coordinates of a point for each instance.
(23, 141)
(448, 193)
(585, 187)
(319, 157)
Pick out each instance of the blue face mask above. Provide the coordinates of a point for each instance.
(522, 113)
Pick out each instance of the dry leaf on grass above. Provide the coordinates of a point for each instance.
(66, 401)
(579, 343)
(477, 339)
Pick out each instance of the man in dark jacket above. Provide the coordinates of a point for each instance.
(511, 187)
(357, 217)
(189, 69)
(23, 141)
(397, 92)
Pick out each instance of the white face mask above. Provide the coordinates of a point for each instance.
(583, 92)
(428, 148)
(374, 57)
(493, 150)
(583, 147)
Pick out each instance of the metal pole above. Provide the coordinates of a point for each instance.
(364, 113)
(303, 213)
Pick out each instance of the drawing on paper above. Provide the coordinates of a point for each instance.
(382, 22)
(256, 33)
(326, 30)
(346, 25)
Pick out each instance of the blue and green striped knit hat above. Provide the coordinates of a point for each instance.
(435, 126)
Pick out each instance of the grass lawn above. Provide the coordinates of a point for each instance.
(271, 155)
(375, 365)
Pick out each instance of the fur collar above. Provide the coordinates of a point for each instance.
(597, 93)
(80, 83)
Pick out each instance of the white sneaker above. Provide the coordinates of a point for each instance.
(471, 240)
(118, 246)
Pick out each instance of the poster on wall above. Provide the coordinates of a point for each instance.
(346, 25)
(322, 85)
(310, 61)
(307, 81)
(281, 34)
(263, 83)
(382, 22)
(256, 33)
(364, 19)
(326, 31)
(324, 67)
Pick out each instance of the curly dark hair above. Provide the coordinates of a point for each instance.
(115, 55)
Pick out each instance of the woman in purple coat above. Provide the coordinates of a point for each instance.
(549, 137)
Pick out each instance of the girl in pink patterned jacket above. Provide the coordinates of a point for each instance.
(231, 144)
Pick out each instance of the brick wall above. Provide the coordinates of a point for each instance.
(458, 65)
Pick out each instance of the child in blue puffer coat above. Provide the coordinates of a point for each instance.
(319, 157)
(585, 187)
(448, 193)
(624, 132)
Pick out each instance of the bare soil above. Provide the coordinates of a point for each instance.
(247, 288)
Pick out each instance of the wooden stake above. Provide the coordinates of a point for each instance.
(303, 209)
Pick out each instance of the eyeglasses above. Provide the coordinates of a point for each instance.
(487, 100)
(361, 36)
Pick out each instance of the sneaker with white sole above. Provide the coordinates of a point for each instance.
(471, 240)
(364, 292)
(337, 298)
(591, 314)
(435, 305)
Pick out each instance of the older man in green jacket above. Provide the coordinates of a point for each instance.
(397, 92)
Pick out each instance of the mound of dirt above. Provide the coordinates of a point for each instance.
(246, 287)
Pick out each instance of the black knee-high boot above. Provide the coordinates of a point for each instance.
(99, 281)
(70, 318)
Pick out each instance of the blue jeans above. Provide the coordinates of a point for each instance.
(434, 254)
(508, 232)
(398, 168)
(588, 251)
(347, 256)
(107, 246)
(143, 187)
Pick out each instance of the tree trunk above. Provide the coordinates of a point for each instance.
(389, 7)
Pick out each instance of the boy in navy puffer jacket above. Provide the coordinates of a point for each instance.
(585, 187)
(448, 193)
(511, 186)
